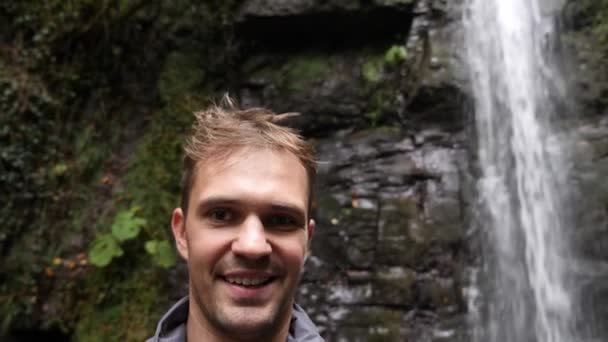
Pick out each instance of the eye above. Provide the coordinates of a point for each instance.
(220, 215)
(282, 222)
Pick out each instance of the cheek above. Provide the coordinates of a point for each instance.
(293, 251)
(206, 248)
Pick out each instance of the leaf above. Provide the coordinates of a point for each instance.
(161, 251)
(151, 246)
(103, 250)
(396, 54)
(60, 169)
(126, 225)
(372, 70)
(165, 256)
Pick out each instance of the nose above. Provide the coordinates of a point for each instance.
(251, 240)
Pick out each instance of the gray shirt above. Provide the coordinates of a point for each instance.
(172, 327)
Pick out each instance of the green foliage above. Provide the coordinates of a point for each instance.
(75, 97)
(395, 55)
(151, 183)
(153, 179)
(594, 17)
(126, 225)
(380, 101)
(383, 85)
(372, 70)
(42, 101)
(123, 307)
(161, 252)
(373, 117)
(600, 21)
(181, 75)
(104, 249)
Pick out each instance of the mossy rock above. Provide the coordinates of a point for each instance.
(446, 223)
(396, 216)
(394, 286)
(402, 252)
(436, 293)
(302, 71)
(371, 323)
(393, 2)
(295, 73)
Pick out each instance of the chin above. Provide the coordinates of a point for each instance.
(253, 322)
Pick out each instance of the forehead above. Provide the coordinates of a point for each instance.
(265, 173)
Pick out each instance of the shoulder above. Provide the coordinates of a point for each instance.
(302, 328)
(172, 326)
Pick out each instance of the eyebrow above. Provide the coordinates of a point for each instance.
(225, 201)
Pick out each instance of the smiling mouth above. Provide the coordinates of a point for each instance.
(249, 281)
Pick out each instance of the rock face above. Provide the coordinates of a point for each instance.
(385, 261)
(373, 84)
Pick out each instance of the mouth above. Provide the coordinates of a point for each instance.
(249, 282)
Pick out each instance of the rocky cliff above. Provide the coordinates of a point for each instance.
(381, 88)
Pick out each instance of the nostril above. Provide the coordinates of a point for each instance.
(251, 248)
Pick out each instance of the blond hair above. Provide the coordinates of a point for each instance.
(222, 129)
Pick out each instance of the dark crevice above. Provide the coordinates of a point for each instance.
(325, 30)
(37, 335)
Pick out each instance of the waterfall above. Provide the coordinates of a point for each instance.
(523, 282)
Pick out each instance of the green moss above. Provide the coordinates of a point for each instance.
(381, 101)
(126, 309)
(600, 19)
(593, 14)
(375, 323)
(383, 130)
(372, 70)
(373, 117)
(152, 182)
(129, 309)
(313, 67)
(296, 73)
(395, 288)
(181, 75)
(302, 71)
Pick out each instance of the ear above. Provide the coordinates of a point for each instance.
(178, 226)
(311, 231)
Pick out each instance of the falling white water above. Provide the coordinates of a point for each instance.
(509, 47)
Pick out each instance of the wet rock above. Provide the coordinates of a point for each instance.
(368, 324)
(289, 85)
(385, 209)
(435, 293)
(394, 286)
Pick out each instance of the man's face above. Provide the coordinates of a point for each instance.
(245, 238)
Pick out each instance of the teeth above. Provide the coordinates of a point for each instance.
(247, 281)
